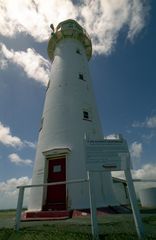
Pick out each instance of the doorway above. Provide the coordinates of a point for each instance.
(56, 195)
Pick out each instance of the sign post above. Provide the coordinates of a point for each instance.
(111, 155)
(133, 200)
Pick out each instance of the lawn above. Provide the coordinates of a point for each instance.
(7, 213)
(111, 227)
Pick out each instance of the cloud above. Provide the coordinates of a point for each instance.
(136, 150)
(148, 137)
(146, 172)
(147, 128)
(34, 65)
(139, 11)
(9, 192)
(11, 184)
(33, 17)
(150, 122)
(3, 61)
(138, 124)
(6, 137)
(29, 144)
(103, 19)
(14, 158)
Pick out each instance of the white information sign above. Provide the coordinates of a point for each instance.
(110, 155)
(107, 155)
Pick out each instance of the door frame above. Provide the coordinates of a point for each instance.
(51, 155)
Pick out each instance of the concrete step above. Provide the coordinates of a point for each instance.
(45, 215)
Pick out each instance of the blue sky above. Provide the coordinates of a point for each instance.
(123, 70)
(125, 83)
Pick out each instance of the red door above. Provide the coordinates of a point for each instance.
(56, 195)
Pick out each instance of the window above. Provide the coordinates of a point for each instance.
(70, 25)
(85, 115)
(57, 168)
(81, 76)
(78, 51)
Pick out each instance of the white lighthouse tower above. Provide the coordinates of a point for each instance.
(69, 117)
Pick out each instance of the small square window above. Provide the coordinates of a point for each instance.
(81, 76)
(70, 25)
(57, 168)
(85, 115)
(78, 51)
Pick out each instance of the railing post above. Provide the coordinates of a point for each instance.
(19, 208)
(94, 224)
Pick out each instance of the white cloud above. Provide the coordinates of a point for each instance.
(14, 158)
(137, 19)
(11, 184)
(34, 65)
(33, 17)
(150, 122)
(29, 144)
(136, 150)
(3, 62)
(148, 137)
(138, 124)
(103, 19)
(6, 137)
(9, 192)
(147, 172)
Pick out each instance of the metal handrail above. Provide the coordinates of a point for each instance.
(94, 225)
(54, 183)
(21, 196)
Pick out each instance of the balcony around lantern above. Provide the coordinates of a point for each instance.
(69, 29)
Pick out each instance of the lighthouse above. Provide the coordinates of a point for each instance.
(69, 118)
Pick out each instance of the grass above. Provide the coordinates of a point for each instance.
(7, 214)
(151, 220)
(56, 234)
(111, 227)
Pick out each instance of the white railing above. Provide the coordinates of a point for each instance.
(94, 225)
(21, 196)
